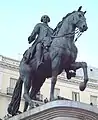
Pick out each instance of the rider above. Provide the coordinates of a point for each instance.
(41, 34)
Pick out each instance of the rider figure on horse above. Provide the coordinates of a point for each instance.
(41, 34)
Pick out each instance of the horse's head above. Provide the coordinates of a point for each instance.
(79, 20)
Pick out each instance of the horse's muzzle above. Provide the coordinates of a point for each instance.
(84, 28)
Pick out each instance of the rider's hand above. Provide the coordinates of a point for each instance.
(29, 39)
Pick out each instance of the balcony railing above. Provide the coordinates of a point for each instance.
(39, 97)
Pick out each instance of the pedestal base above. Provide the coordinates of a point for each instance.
(60, 110)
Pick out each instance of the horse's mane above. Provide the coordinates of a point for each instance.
(68, 15)
(61, 22)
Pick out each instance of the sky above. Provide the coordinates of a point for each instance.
(18, 18)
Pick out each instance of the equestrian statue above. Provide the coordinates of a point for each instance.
(51, 52)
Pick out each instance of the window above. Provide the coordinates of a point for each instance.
(12, 82)
(56, 92)
(93, 99)
(11, 87)
(75, 96)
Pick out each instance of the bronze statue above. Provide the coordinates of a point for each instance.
(61, 55)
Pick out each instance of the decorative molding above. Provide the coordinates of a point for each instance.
(9, 63)
(9, 66)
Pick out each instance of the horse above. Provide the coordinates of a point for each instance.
(60, 56)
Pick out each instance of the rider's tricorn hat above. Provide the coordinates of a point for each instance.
(45, 17)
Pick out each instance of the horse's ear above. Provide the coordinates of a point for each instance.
(84, 12)
(79, 8)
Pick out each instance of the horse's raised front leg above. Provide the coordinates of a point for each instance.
(82, 65)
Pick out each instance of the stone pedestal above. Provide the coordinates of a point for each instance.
(60, 110)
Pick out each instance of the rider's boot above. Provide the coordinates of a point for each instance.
(38, 57)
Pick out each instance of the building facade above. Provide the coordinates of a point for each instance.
(69, 89)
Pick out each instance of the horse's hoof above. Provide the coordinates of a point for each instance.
(82, 86)
(52, 99)
(31, 104)
(31, 107)
(68, 76)
(19, 112)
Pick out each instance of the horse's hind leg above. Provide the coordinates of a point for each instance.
(35, 89)
(25, 106)
(53, 82)
(27, 85)
(55, 71)
(82, 65)
(26, 103)
(33, 93)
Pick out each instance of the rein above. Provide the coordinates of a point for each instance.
(69, 34)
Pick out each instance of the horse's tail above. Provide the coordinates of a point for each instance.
(15, 102)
